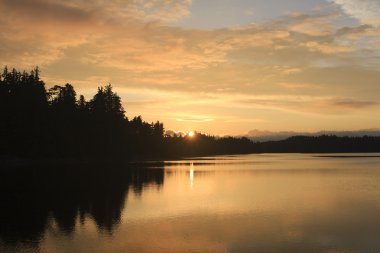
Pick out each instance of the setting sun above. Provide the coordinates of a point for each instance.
(191, 134)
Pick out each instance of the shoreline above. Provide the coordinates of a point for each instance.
(17, 162)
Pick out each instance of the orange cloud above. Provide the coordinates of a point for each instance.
(300, 64)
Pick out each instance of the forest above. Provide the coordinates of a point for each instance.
(56, 123)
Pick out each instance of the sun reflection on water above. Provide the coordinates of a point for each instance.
(191, 175)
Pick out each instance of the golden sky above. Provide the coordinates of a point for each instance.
(217, 66)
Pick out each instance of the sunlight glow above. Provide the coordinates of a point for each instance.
(191, 134)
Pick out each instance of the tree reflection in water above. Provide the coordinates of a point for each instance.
(32, 197)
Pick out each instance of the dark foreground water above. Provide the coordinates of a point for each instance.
(252, 203)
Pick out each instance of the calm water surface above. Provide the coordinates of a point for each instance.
(250, 203)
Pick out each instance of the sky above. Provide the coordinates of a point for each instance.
(222, 67)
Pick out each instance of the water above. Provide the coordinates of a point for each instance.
(251, 203)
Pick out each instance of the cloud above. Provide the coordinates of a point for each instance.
(366, 11)
(312, 25)
(45, 10)
(40, 31)
(302, 64)
(298, 86)
(131, 35)
(352, 104)
(326, 48)
(341, 105)
(195, 119)
(291, 71)
(166, 10)
(308, 104)
(78, 11)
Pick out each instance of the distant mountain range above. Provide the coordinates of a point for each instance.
(258, 135)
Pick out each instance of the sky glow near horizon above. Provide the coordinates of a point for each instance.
(216, 66)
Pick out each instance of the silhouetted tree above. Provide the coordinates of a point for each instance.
(23, 108)
(82, 104)
(64, 116)
(63, 99)
(107, 103)
(107, 123)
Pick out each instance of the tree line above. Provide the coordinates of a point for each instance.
(55, 123)
(320, 144)
(36, 122)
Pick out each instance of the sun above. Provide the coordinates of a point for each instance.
(191, 134)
